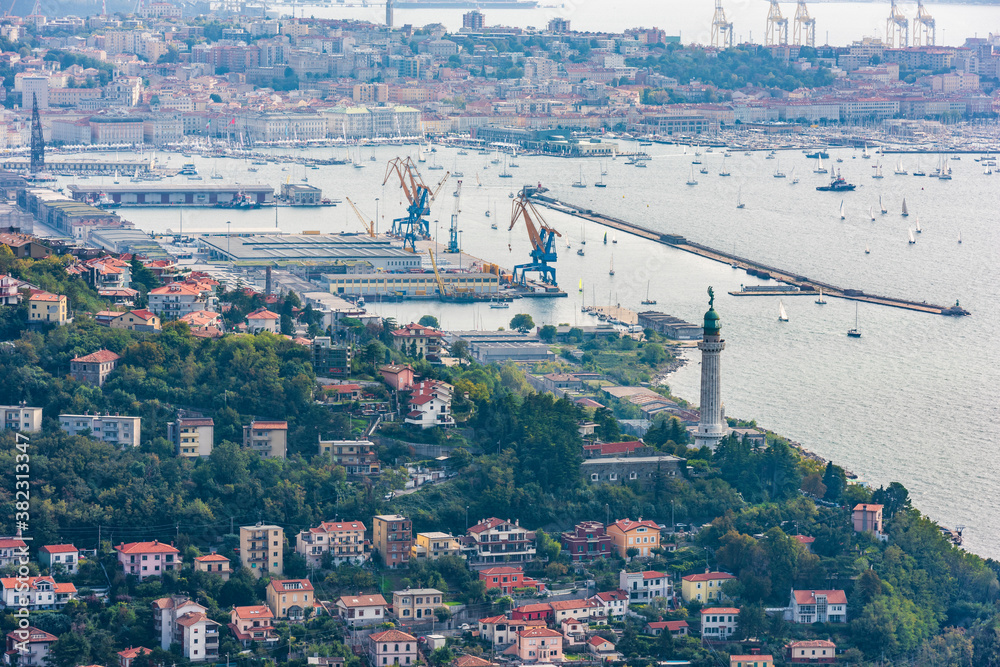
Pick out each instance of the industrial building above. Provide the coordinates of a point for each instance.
(669, 326)
(180, 194)
(412, 284)
(311, 248)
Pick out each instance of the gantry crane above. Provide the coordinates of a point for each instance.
(542, 237)
(924, 29)
(777, 27)
(897, 28)
(722, 30)
(453, 232)
(369, 225)
(804, 28)
(418, 197)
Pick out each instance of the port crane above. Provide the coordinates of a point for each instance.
(453, 232)
(804, 28)
(924, 28)
(369, 225)
(897, 28)
(418, 197)
(777, 27)
(722, 30)
(542, 237)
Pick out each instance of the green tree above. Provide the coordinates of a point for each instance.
(429, 321)
(835, 481)
(547, 334)
(522, 322)
(215, 97)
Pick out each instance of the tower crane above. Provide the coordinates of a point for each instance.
(369, 225)
(722, 30)
(418, 197)
(897, 28)
(453, 232)
(804, 28)
(542, 237)
(777, 27)
(924, 29)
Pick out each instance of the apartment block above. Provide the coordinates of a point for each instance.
(267, 438)
(343, 540)
(114, 429)
(21, 418)
(179, 620)
(431, 546)
(262, 549)
(499, 542)
(192, 436)
(47, 308)
(392, 537)
(416, 604)
(357, 456)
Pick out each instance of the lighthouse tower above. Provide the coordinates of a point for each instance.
(712, 426)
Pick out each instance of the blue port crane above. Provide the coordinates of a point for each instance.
(542, 237)
(418, 198)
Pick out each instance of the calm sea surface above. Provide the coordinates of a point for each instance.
(914, 400)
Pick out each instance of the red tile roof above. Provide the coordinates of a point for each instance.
(146, 548)
(273, 425)
(626, 525)
(708, 576)
(672, 626)
(812, 643)
(362, 601)
(277, 585)
(393, 636)
(719, 610)
(504, 569)
(131, 653)
(212, 558)
(263, 314)
(59, 548)
(867, 507)
(254, 611)
(99, 357)
(598, 641)
(809, 597)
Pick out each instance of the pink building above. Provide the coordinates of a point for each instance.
(392, 647)
(398, 377)
(148, 559)
(252, 624)
(868, 519)
(538, 645)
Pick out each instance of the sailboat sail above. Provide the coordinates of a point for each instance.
(905, 212)
(842, 215)
(782, 315)
(912, 240)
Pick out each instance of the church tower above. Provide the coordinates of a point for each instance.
(712, 426)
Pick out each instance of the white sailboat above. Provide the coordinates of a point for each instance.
(821, 300)
(614, 237)
(612, 271)
(782, 315)
(878, 171)
(777, 171)
(867, 250)
(899, 168)
(724, 172)
(912, 240)
(871, 212)
(918, 225)
(691, 180)
(843, 216)
(881, 206)
(865, 155)
(855, 332)
(960, 238)
(905, 212)
(739, 199)
(795, 179)
(820, 169)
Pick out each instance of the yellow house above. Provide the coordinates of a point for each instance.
(46, 307)
(643, 536)
(290, 598)
(704, 587)
(435, 545)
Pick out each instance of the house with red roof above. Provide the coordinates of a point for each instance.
(418, 341)
(812, 652)
(502, 631)
(126, 657)
(12, 550)
(392, 647)
(579, 609)
(344, 540)
(182, 621)
(267, 438)
(613, 605)
(704, 586)
(397, 376)
(216, 564)
(290, 598)
(588, 540)
(507, 578)
(148, 559)
(594, 450)
(641, 535)
(676, 628)
(263, 319)
(867, 518)
(537, 611)
(602, 648)
(809, 606)
(430, 404)
(47, 308)
(181, 298)
(252, 624)
(805, 541)
(65, 555)
(35, 593)
(498, 542)
(358, 610)
(540, 645)
(94, 368)
(574, 631)
(28, 646)
(136, 320)
(755, 659)
(643, 587)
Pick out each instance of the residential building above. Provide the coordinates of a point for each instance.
(431, 546)
(213, 564)
(418, 341)
(178, 299)
(676, 628)
(397, 376)
(65, 555)
(12, 550)
(471, 661)
(357, 456)
(47, 308)
(30, 645)
(392, 647)
(751, 660)
(192, 436)
(94, 368)
(501, 631)
(343, 540)
(137, 320)
(392, 537)
(263, 319)
(643, 536)
(291, 599)
(563, 610)
(180, 620)
(601, 647)
(417, 605)
(252, 624)
(360, 610)
(613, 604)
(718, 623)
(507, 579)
(703, 587)
(496, 541)
(430, 404)
(148, 559)
(128, 656)
(10, 294)
(587, 541)
(21, 418)
(262, 549)
(867, 518)
(35, 593)
(538, 611)
(267, 438)
(643, 587)
(574, 631)
(114, 429)
(329, 359)
(538, 645)
(643, 470)
(818, 607)
(812, 652)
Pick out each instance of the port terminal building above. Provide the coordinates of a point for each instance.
(314, 249)
(175, 194)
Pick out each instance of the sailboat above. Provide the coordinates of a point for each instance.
(795, 179)
(878, 171)
(612, 271)
(880, 206)
(605, 238)
(912, 240)
(724, 172)
(580, 183)
(905, 212)
(583, 235)
(739, 199)
(867, 250)
(777, 171)
(865, 155)
(647, 301)
(581, 285)
(614, 238)
(855, 332)
(899, 171)
(871, 212)
(600, 182)
(960, 238)
(918, 226)
(821, 300)
(820, 169)
(842, 214)
(782, 315)
(691, 180)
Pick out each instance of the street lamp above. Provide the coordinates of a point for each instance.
(376, 215)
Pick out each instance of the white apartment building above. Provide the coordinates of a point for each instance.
(179, 299)
(35, 593)
(718, 623)
(179, 620)
(114, 429)
(192, 436)
(21, 418)
(642, 587)
(344, 540)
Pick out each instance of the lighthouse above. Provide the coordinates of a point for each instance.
(712, 425)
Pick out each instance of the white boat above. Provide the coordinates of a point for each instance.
(724, 172)
(580, 183)
(867, 250)
(878, 171)
(918, 225)
(691, 180)
(647, 301)
(782, 315)
(865, 155)
(821, 300)
(739, 199)
(843, 216)
(912, 240)
(899, 171)
(855, 332)
(905, 212)
(820, 169)
(612, 271)
(960, 238)
(614, 237)
(777, 171)
(795, 179)
(871, 212)
(499, 304)
(880, 206)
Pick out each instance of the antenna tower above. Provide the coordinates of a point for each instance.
(37, 140)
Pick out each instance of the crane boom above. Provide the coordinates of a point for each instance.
(442, 291)
(418, 197)
(369, 225)
(542, 238)
(440, 185)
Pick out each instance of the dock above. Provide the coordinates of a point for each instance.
(799, 284)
